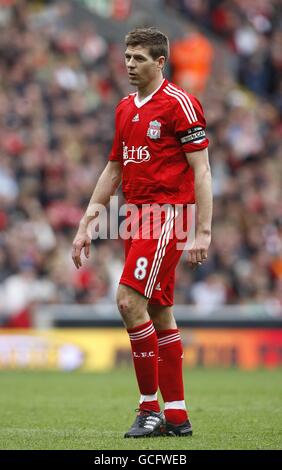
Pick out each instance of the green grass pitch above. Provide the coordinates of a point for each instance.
(230, 409)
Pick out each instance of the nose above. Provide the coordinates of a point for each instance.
(131, 63)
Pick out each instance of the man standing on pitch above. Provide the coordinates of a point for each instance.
(160, 155)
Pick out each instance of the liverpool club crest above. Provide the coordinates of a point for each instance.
(154, 130)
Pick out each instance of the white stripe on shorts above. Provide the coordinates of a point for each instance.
(160, 251)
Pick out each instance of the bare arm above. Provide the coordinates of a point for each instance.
(199, 161)
(106, 187)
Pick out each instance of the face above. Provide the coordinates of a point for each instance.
(141, 67)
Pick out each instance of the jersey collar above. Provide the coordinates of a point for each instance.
(139, 103)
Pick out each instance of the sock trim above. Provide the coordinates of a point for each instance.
(144, 333)
(145, 398)
(169, 339)
(175, 405)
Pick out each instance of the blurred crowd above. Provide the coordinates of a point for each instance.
(58, 89)
(252, 29)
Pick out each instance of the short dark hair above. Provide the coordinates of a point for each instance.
(156, 42)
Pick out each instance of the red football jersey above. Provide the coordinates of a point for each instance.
(151, 139)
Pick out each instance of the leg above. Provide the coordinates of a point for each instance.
(144, 344)
(149, 267)
(170, 369)
(132, 306)
(162, 316)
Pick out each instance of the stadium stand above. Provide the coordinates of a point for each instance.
(60, 81)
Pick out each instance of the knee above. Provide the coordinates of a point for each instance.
(132, 306)
(124, 304)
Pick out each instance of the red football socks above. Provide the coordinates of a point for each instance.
(144, 345)
(171, 376)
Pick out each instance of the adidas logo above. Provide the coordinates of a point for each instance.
(158, 286)
(136, 118)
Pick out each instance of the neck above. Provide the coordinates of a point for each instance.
(147, 90)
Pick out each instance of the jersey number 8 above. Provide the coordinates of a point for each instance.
(140, 271)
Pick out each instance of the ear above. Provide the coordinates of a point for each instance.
(161, 62)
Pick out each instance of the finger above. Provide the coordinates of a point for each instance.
(77, 262)
(76, 256)
(87, 249)
(194, 257)
(191, 258)
(198, 256)
(204, 254)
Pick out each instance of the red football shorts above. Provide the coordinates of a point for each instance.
(156, 236)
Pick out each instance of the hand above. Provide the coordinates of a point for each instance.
(81, 241)
(199, 253)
